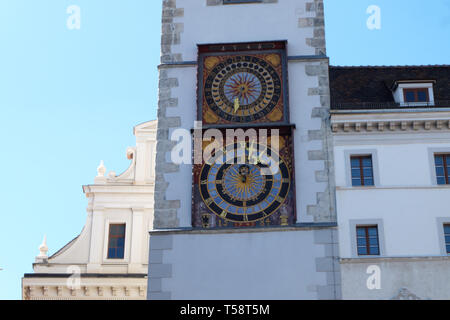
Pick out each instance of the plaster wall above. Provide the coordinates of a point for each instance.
(278, 20)
(423, 278)
(296, 264)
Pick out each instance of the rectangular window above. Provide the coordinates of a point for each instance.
(416, 95)
(442, 163)
(367, 241)
(447, 237)
(116, 241)
(362, 171)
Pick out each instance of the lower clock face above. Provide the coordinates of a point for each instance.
(245, 192)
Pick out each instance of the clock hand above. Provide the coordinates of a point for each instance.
(236, 105)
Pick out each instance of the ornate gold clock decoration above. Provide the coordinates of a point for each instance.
(247, 84)
(244, 86)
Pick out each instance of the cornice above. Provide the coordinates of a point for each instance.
(297, 227)
(119, 188)
(181, 64)
(85, 275)
(381, 125)
(399, 111)
(393, 259)
(146, 127)
(406, 187)
(88, 291)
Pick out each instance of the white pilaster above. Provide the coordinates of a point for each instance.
(96, 249)
(137, 241)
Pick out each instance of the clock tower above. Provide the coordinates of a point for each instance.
(251, 215)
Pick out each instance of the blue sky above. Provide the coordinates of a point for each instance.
(70, 98)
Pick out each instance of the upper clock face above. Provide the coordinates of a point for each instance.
(240, 88)
(243, 89)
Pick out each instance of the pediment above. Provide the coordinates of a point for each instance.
(146, 127)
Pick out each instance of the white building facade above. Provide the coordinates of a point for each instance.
(84, 269)
(406, 202)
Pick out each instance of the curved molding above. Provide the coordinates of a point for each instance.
(128, 175)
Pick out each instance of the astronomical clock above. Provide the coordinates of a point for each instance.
(248, 182)
(243, 84)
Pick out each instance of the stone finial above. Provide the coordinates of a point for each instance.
(101, 169)
(43, 249)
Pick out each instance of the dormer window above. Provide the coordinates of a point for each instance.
(413, 93)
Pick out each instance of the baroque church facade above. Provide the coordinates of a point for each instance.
(299, 181)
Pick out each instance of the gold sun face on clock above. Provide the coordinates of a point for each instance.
(242, 88)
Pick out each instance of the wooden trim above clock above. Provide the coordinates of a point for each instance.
(241, 46)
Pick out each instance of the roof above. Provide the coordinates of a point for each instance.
(372, 85)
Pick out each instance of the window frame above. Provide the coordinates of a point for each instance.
(367, 239)
(446, 244)
(446, 162)
(432, 165)
(416, 91)
(353, 224)
(441, 223)
(375, 168)
(399, 95)
(362, 177)
(110, 225)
